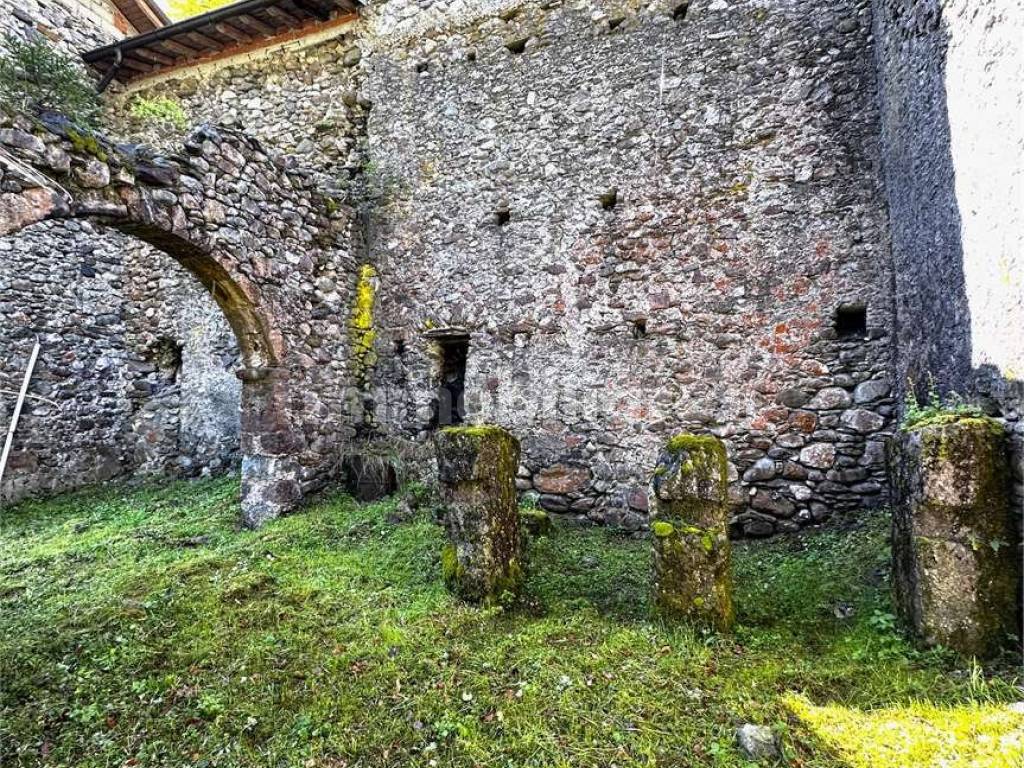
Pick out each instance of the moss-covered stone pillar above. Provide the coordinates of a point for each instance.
(482, 560)
(955, 558)
(689, 519)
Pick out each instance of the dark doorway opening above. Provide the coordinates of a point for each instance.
(449, 404)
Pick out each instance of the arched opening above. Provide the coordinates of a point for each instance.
(255, 248)
(154, 360)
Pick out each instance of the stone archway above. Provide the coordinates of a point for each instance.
(256, 233)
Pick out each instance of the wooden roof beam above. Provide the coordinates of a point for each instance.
(252, 22)
(148, 54)
(313, 9)
(283, 16)
(179, 48)
(138, 66)
(233, 32)
(204, 41)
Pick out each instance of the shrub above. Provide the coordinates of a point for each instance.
(35, 77)
(159, 110)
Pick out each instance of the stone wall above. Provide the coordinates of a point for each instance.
(107, 309)
(105, 305)
(652, 217)
(72, 25)
(302, 101)
(647, 222)
(264, 242)
(951, 85)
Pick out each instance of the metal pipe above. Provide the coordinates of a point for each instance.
(17, 412)
(110, 73)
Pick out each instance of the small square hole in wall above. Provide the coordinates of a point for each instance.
(615, 22)
(640, 328)
(679, 11)
(502, 216)
(422, 67)
(471, 55)
(517, 46)
(609, 199)
(852, 321)
(399, 347)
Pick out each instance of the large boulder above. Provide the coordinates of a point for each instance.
(955, 559)
(482, 561)
(690, 514)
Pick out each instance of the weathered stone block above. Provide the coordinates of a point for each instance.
(690, 513)
(477, 468)
(955, 567)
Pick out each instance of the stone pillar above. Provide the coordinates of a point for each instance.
(271, 446)
(477, 470)
(689, 519)
(955, 558)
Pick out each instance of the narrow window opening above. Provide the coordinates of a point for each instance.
(399, 347)
(423, 66)
(640, 328)
(449, 406)
(615, 22)
(502, 216)
(165, 355)
(471, 55)
(679, 12)
(852, 321)
(610, 199)
(517, 46)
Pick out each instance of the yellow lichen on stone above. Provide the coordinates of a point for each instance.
(662, 529)
(362, 334)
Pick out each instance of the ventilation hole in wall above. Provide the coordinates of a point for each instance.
(165, 355)
(615, 22)
(502, 216)
(679, 12)
(610, 199)
(517, 46)
(640, 328)
(423, 66)
(852, 321)
(471, 55)
(399, 347)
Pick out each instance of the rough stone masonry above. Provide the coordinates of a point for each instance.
(257, 234)
(641, 217)
(645, 221)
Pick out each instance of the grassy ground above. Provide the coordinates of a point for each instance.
(139, 628)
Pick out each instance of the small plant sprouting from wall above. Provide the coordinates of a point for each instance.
(159, 111)
(35, 77)
(935, 411)
(377, 185)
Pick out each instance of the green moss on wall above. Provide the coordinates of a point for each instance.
(84, 142)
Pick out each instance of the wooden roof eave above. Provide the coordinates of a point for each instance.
(216, 33)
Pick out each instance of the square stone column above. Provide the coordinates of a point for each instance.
(956, 567)
(689, 520)
(477, 470)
